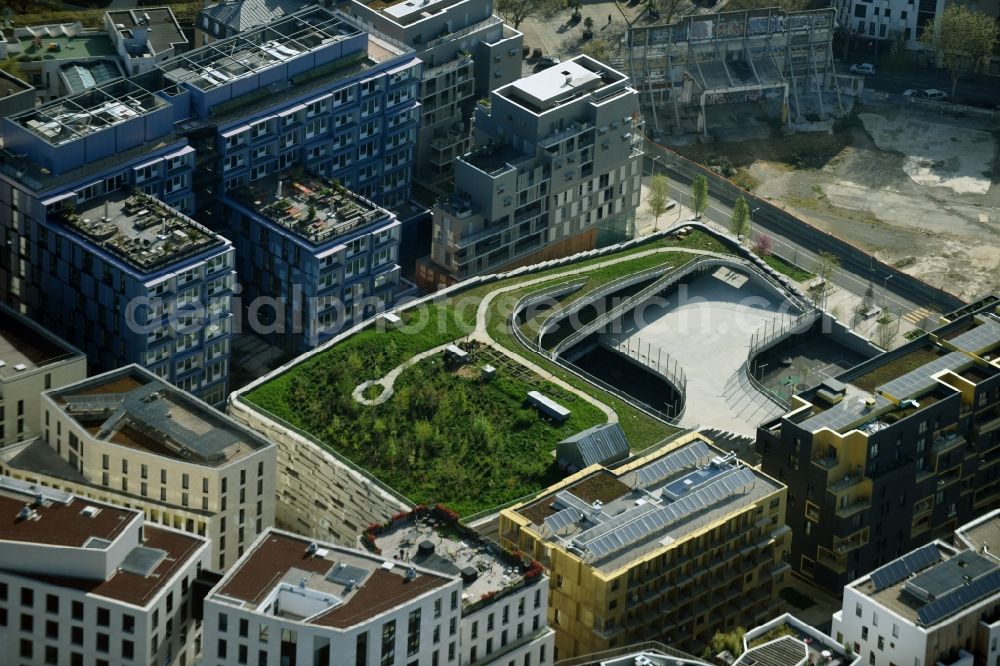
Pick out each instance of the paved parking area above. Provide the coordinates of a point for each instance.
(707, 325)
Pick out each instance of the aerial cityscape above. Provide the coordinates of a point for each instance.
(500, 332)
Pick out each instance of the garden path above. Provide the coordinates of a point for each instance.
(481, 334)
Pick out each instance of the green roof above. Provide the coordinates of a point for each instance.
(67, 48)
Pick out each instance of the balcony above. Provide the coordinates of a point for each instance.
(846, 482)
(846, 545)
(557, 137)
(847, 509)
(947, 442)
(827, 459)
(455, 63)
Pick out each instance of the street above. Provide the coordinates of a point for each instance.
(972, 89)
(853, 276)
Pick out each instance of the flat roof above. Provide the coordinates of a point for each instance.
(784, 651)
(60, 520)
(611, 518)
(139, 229)
(11, 85)
(65, 46)
(76, 116)
(334, 586)
(982, 534)
(226, 60)
(406, 12)
(242, 15)
(932, 583)
(37, 456)
(167, 551)
(428, 543)
(162, 29)
(79, 76)
(314, 208)
(25, 346)
(579, 77)
(132, 407)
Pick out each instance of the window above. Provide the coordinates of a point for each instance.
(51, 604)
(413, 633)
(77, 610)
(864, 633)
(857, 609)
(103, 617)
(388, 643)
(27, 597)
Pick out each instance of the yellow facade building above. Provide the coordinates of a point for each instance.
(673, 546)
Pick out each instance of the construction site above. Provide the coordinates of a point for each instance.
(698, 74)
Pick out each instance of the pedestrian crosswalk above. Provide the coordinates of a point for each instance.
(923, 317)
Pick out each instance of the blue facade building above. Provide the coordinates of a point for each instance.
(82, 179)
(329, 254)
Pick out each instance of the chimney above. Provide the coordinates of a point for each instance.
(279, 189)
(569, 79)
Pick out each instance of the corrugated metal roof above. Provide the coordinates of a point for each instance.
(245, 14)
(601, 444)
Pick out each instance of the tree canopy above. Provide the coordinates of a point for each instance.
(699, 194)
(961, 38)
(739, 220)
(516, 11)
(657, 197)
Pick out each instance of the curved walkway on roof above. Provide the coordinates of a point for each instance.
(481, 334)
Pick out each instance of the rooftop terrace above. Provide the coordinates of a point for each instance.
(648, 505)
(227, 60)
(933, 583)
(77, 116)
(289, 577)
(42, 46)
(982, 534)
(314, 208)
(432, 542)
(406, 12)
(25, 347)
(131, 407)
(162, 31)
(140, 229)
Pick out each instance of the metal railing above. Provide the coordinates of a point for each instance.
(609, 288)
(657, 360)
(771, 336)
(628, 650)
(579, 372)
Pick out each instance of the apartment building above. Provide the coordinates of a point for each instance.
(336, 98)
(673, 546)
(555, 170)
(290, 600)
(125, 437)
(326, 257)
(144, 37)
(897, 21)
(893, 453)
(85, 583)
(73, 227)
(937, 604)
(32, 360)
(466, 51)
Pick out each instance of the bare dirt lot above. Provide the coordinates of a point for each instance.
(919, 190)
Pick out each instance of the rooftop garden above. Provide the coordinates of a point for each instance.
(897, 367)
(445, 434)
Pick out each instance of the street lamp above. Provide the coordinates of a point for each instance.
(750, 220)
(885, 296)
(652, 169)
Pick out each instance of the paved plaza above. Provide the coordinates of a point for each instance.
(706, 325)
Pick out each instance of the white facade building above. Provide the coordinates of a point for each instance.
(83, 583)
(290, 600)
(129, 438)
(897, 20)
(934, 605)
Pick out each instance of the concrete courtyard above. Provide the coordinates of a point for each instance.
(706, 325)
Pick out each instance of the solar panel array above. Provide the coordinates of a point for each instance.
(918, 381)
(560, 520)
(942, 579)
(640, 522)
(980, 338)
(961, 598)
(902, 567)
(696, 453)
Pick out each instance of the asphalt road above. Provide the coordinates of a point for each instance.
(853, 275)
(974, 89)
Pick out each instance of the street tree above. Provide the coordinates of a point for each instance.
(517, 11)
(699, 195)
(763, 245)
(827, 264)
(885, 333)
(961, 38)
(868, 300)
(657, 198)
(597, 49)
(739, 220)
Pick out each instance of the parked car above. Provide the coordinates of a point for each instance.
(910, 92)
(548, 61)
(865, 68)
(934, 93)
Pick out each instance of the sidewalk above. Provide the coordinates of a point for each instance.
(840, 303)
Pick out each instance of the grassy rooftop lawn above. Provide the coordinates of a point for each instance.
(444, 436)
(898, 367)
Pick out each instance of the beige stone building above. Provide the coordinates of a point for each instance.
(32, 360)
(128, 438)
